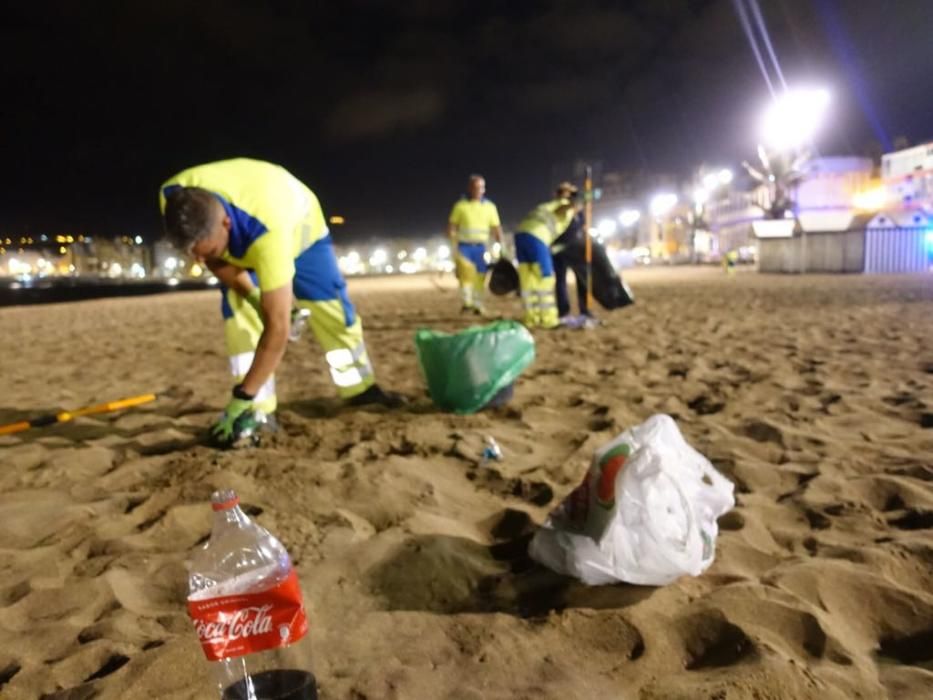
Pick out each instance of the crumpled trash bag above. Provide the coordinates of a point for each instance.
(645, 512)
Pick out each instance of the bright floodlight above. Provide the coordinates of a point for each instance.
(139, 240)
(793, 118)
(606, 227)
(725, 176)
(700, 196)
(443, 252)
(629, 217)
(171, 263)
(419, 254)
(661, 204)
(379, 257)
(353, 257)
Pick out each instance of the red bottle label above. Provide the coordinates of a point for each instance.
(236, 625)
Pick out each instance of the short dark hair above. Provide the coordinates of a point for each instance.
(189, 215)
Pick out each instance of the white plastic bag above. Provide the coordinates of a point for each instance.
(645, 513)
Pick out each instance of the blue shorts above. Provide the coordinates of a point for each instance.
(475, 253)
(530, 249)
(317, 278)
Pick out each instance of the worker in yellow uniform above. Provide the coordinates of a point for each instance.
(471, 221)
(533, 239)
(262, 233)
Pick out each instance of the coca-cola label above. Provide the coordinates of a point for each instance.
(236, 625)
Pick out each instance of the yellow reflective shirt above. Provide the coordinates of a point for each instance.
(474, 219)
(545, 223)
(274, 216)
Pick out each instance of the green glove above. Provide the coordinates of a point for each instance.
(254, 299)
(238, 419)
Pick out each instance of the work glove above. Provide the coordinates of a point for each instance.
(238, 421)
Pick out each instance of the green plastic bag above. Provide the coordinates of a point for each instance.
(467, 370)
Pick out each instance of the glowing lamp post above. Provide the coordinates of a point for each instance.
(606, 228)
(793, 118)
(660, 206)
(629, 217)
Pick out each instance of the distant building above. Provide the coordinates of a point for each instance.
(907, 176)
(731, 217)
(825, 200)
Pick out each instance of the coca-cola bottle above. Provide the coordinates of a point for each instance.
(246, 605)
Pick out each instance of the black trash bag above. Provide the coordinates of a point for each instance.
(503, 278)
(609, 289)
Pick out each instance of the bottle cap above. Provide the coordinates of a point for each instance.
(224, 499)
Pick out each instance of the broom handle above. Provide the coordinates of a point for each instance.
(66, 416)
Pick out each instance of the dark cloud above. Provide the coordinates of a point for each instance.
(376, 113)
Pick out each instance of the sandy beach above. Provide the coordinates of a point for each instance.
(814, 395)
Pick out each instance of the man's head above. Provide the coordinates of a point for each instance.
(196, 223)
(566, 190)
(476, 187)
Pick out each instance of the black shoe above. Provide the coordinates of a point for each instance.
(375, 395)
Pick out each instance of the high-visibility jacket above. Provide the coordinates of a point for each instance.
(474, 219)
(274, 216)
(545, 223)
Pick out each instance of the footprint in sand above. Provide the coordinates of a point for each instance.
(711, 641)
(912, 649)
(535, 492)
(760, 431)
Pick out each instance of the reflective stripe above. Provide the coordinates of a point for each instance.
(347, 378)
(239, 366)
(341, 357)
(348, 367)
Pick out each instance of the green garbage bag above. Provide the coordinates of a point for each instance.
(466, 371)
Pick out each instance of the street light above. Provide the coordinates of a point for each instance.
(606, 227)
(379, 257)
(629, 217)
(725, 176)
(662, 203)
(792, 118)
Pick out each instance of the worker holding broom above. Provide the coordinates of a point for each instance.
(262, 233)
(471, 221)
(533, 239)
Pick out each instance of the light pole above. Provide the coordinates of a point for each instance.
(628, 218)
(660, 205)
(788, 127)
(710, 183)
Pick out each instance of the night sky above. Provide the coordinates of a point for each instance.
(383, 108)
